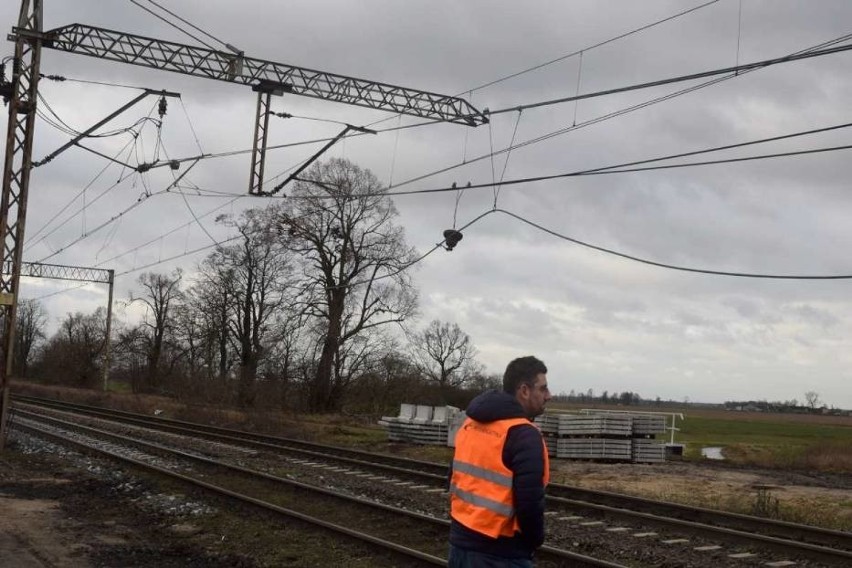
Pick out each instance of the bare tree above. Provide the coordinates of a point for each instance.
(161, 293)
(812, 399)
(73, 354)
(342, 225)
(444, 354)
(30, 323)
(255, 276)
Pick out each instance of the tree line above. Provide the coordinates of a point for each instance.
(309, 308)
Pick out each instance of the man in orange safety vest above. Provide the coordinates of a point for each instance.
(499, 472)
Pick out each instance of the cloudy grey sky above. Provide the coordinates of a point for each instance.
(599, 321)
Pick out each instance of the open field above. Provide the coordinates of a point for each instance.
(806, 442)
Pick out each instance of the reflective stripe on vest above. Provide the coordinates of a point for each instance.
(481, 486)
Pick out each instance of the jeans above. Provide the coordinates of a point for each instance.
(461, 558)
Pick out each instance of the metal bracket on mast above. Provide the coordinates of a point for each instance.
(265, 90)
(319, 153)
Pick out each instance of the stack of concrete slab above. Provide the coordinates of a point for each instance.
(607, 449)
(648, 425)
(605, 436)
(420, 424)
(648, 451)
(577, 425)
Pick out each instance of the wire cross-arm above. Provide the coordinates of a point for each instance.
(236, 68)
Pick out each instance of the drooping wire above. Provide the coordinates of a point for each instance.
(411, 263)
(673, 266)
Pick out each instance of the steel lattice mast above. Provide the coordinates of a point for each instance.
(16, 181)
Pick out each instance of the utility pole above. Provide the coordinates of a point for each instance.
(16, 181)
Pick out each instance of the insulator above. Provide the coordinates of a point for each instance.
(162, 107)
(452, 238)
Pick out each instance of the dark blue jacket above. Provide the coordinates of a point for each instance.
(522, 454)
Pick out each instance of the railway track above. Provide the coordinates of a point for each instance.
(565, 503)
(414, 536)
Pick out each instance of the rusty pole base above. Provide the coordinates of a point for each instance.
(4, 415)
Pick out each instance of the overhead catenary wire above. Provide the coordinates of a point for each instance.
(469, 91)
(61, 78)
(171, 231)
(196, 28)
(31, 241)
(821, 49)
(589, 122)
(706, 271)
(736, 70)
(593, 46)
(573, 53)
(172, 24)
(112, 219)
(687, 164)
(626, 167)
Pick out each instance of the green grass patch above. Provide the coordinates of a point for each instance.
(777, 444)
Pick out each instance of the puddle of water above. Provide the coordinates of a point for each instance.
(712, 453)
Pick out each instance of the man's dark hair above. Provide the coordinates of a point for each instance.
(522, 370)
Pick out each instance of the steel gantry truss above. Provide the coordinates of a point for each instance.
(265, 77)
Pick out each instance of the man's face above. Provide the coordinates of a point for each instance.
(534, 397)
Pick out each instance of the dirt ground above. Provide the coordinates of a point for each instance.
(59, 517)
(818, 499)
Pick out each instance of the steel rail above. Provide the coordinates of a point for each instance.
(769, 527)
(259, 441)
(215, 432)
(546, 553)
(223, 491)
(801, 539)
(832, 556)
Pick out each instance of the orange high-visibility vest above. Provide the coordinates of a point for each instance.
(481, 495)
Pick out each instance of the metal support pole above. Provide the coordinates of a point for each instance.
(16, 180)
(258, 152)
(108, 335)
